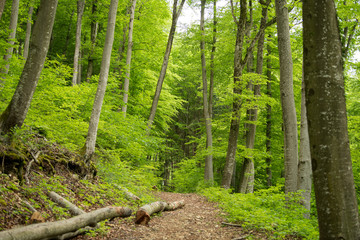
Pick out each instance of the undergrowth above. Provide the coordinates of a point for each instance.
(266, 210)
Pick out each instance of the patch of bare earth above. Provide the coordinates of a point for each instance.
(198, 219)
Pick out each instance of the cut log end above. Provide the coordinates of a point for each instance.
(142, 218)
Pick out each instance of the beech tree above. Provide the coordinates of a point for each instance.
(2, 6)
(128, 57)
(209, 174)
(28, 30)
(175, 16)
(287, 97)
(89, 147)
(93, 35)
(15, 113)
(12, 27)
(80, 12)
(336, 202)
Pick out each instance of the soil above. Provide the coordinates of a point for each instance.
(198, 219)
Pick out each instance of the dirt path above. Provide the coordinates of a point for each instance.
(199, 219)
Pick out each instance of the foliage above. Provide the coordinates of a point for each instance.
(266, 210)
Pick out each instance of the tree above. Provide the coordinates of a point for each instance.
(2, 6)
(100, 93)
(326, 112)
(128, 57)
(287, 97)
(175, 16)
(28, 30)
(80, 12)
(12, 27)
(15, 113)
(93, 33)
(209, 174)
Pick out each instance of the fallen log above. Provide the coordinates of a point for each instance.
(144, 213)
(53, 229)
(128, 194)
(65, 203)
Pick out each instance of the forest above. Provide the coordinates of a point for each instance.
(254, 105)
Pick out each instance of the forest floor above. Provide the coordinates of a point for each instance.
(198, 219)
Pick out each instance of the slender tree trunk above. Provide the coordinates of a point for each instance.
(305, 172)
(128, 57)
(12, 27)
(80, 12)
(268, 124)
(212, 63)
(15, 113)
(175, 16)
(287, 97)
(28, 31)
(2, 6)
(235, 116)
(100, 93)
(209, 174)
(68, 33)
(336, 201)
(94, 30)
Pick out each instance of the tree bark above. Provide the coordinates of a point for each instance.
(65, 204)
(12, 27)
(54, 229)
(128, 194)
(334, 186)
(287, 97)
(209, 172)
(128, 57)
(2, 6)
(80, 12)
(94, 30)
(212, 63)
(305, 172)
(175, 16)
(268, 124)
(144, 213)
(15, 113)
(100, 93)
(28, 31)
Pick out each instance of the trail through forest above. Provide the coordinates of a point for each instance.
(198, 219)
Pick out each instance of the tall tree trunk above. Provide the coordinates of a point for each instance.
(212, 63)
(15, 113)
(305, 172)
(28, 31)
(128, 57)
(80, 12)
(67, 39)
(94, 30)
(2, 6)
(287, 97)
(336, 201)
(209, 172)
(268, 124)
(12, 27)
(235, 116)
(104, 73)
(175, 16)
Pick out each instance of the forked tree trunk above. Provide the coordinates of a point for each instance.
(175, 16)
(93, 35)
(336, 201)
(209, 174)
(28, 31)
(287, 97)
(12, 27)
(80, 12)
(128, 57)
(104, 73)
(15, 113)
(53, 229)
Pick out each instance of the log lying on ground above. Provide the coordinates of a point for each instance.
(65, 204)
(144, 213)
(54, 229)
(128, 194)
